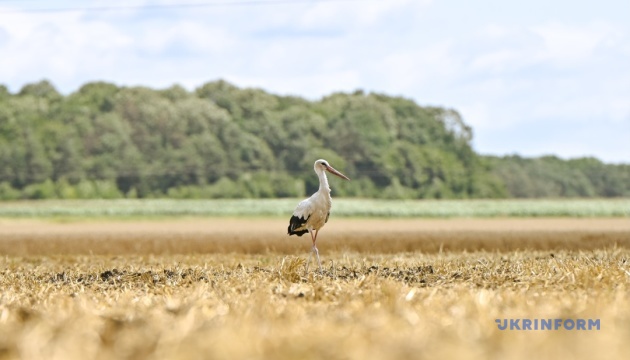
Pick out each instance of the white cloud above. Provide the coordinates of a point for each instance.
(567, 45)
(496, 61)
(407, 70)
(193, 36)
(56, 46)
(493, 32)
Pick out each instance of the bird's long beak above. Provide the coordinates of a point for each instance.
(335, 172)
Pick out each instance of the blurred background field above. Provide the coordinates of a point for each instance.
(164, 236)
(342, 207)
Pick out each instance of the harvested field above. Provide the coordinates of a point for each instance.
(234, 288)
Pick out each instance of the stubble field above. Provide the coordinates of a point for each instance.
(226, 288)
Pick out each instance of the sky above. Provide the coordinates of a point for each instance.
(533, 78)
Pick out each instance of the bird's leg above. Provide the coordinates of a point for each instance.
(317, 252)
(310, 254)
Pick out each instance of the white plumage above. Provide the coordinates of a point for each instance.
(311, 214)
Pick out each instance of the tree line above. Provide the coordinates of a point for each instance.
(221, 141)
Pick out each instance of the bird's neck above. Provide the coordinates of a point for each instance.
(323, 182)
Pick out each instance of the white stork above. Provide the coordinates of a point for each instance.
(311, 214)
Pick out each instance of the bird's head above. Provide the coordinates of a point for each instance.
(323, 165)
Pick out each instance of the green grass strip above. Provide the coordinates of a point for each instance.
(341, 207)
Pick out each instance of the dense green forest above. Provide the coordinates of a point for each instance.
(221, 141)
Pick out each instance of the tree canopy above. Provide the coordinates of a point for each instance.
(221, 141)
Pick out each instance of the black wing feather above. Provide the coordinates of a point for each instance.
(295, 223)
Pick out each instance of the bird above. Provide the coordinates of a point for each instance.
(312, 214)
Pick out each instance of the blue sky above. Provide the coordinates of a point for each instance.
(531, 77)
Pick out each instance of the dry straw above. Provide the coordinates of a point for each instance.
(229, 306)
